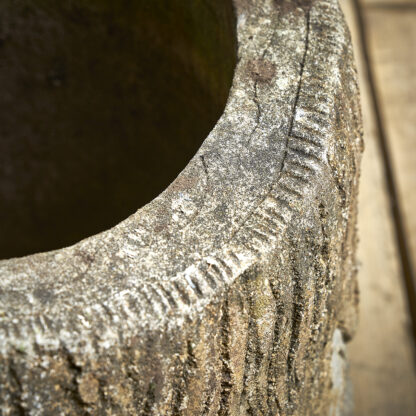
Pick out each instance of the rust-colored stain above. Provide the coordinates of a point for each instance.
(88, 388)
(261, 70)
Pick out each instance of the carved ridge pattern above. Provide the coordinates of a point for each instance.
(189, 292)
(304, 152)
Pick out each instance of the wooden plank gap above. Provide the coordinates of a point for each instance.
(408, 274)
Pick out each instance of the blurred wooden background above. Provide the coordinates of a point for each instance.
(382, 354)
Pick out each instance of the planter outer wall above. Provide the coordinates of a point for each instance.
(234, 291)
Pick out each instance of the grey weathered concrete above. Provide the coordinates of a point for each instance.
(234, 291)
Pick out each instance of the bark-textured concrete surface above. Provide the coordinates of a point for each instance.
(234, 291)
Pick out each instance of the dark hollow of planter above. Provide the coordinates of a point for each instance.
(102, 104)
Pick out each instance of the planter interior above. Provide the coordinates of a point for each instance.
(102, 104)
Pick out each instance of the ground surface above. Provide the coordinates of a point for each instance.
(382, 352)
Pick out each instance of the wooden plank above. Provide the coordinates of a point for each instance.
(392, 45)
(390, 4)
(381, 354)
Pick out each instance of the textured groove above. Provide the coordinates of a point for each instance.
(293, 161)
(274, 406)
(290, 191)
(281, 202)
(167, 295)
(208, 277)
(226, 374)
(295, 175)
(304, 153)
(310, 137)
(227, 269)
(182, 292)
(196, 286)
(234, 258)
(163, 301)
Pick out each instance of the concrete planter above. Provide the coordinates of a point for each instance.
(232, 292)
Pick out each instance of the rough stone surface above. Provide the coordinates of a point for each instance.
(234, 291)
